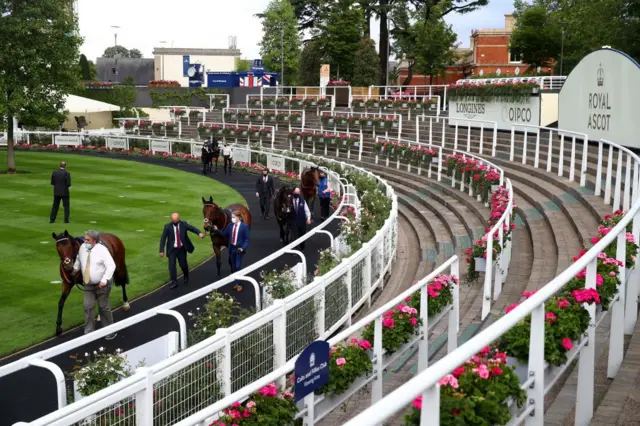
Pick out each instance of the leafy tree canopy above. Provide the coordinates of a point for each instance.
(365, 64)
(122, 52)
(39, 62)
(281, 44)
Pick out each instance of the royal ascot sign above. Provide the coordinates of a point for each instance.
(505, 114)
(599, 98)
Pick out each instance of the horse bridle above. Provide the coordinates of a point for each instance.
(67, 261)
(226, 218)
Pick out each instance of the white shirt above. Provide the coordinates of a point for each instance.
(226, 151)
(102, 265)
(306, 207)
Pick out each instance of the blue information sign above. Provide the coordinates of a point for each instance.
(311, 369)
(186, 63)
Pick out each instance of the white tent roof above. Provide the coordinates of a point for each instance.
(77, 104)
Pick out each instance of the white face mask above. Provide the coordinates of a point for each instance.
(88, 246)
(234, 220)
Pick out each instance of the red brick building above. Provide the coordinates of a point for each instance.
(488, 54)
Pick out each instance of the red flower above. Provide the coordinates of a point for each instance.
(567, 344)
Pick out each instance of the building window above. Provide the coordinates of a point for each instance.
(515, 56)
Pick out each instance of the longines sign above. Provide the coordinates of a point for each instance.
(505, 114)
(599, 98)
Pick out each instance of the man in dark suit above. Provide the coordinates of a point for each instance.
(177, 243)
(61, 181)
(265, 192)
(301, 217)
(237, 233)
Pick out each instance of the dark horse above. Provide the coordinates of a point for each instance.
(68, 248)
(309, 179)
(283, 209)
(214, 215)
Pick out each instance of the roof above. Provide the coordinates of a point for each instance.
(141, 70)
(77, 104)
(190, 51)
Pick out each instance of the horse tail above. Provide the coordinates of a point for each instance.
(124, 280)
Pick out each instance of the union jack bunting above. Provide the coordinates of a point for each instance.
(250, 81)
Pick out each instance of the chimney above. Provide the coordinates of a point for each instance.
(509, 22)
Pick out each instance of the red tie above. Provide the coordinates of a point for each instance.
(235, 234)
(178, 242)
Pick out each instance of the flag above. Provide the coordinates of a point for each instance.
(266, 80)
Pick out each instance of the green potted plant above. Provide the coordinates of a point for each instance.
(220, 102)
(230, 115)
(373, 103)
(243, 115)
(282, 117)
(296, 102)
(359, 103)
(217, 130)
(254, 133)
(254, 102)
(295, 118)
(204, 130)
(282, 101)
(310, 102)
(327, 119)
(256, 116)
(270, 116)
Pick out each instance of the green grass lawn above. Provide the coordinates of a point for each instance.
(130, 199)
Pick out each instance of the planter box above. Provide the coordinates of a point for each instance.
(481, 264)
(330, 121)
(359, 104)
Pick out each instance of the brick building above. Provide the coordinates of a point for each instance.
(488, 54)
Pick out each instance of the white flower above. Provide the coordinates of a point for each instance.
(95, 353)
(118, 351)
(101, 349)
(190, 314)
(86, 354)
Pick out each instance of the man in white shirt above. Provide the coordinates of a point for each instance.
(301, 217)
(96, 266)
(227, 155)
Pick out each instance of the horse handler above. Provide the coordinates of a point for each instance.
(301, 217)
(97, 267)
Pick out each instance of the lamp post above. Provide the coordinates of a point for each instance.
(388, 57)
(282, 55)
(561, 52)
(115, 49)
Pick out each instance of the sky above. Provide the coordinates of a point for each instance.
(144, 24)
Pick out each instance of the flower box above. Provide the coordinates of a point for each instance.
(243, 115)
(255, 135)
(359, 104)
(256, 117)
(282, 102)
(330, 121)
(243, 133)
(282, 118)
(295, 118)
(369, 123)
(326, 404)
(481, 264)
(270, 117)
(296, 102)
(230, 116)
(270, 102)
(329, 140)
(220, 103)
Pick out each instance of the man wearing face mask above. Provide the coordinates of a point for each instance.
(324, 193)
(176, 240)
(265, 192)
(96, 265)
(301, 217)
(227, 154)
(237, 233)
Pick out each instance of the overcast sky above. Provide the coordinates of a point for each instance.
(209, 23)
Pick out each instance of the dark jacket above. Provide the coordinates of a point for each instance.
(242, 239)
(265, 189)
(168, 236)
(61, 181)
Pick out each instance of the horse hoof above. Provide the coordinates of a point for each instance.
(126, 306)
(98, 318)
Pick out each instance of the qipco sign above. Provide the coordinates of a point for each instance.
(505, 114)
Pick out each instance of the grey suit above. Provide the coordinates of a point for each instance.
(61, 181)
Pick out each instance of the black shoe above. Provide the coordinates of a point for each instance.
(267, 217)
(110, 336)
(173, 285)
(186, 280)
(52, 221)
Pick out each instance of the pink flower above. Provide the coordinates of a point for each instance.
(418, 402)
(511, 308)
(550, 317)
(482, 371)
(341, 361)
(354, 341)
(563, 303)
(599, 280)
(595, 240)
(630, 238)
(413, 321)
(528, 294)
(566, 343)
(388, 322)
(251, 404)
(287, 394)
(496, 371)
(458, 372)
(612, 274)
(449, 379)
(364, 344)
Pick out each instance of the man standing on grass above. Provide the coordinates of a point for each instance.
(177, 243)
(96, 265)
(61, 181)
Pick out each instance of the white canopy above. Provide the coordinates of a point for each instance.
(79, 105)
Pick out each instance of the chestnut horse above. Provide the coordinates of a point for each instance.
(309, 179)
(283, 209)
(68, 248)
(214, 215)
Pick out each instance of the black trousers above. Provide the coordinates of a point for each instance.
(56, 206)
(265, 202)
(324, 207)
(299, 229)
(205, 166)
(227, 160)
(181, 256)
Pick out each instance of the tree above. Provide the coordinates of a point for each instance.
(242, 65)
(434, 48)
(39, 62)
(281, 45)
(365, 68)
(538, 36)
(85, 69)
(310, 62)
(135, 53)
(111, 51)
(339, 33)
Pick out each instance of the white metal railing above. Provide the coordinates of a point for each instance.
(219, 100)
(307, 91)
(351, 283)
(265, 111)
(315, 407)
(312, 132)
(365, 115)
(176, 122)
(361, 102)
(187, 110)
(412, 92)
(249, 129)
(293, 99)
(553, 82)
(488, 125)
